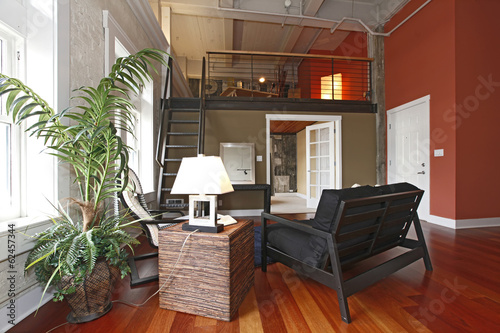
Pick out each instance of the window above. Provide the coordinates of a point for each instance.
(28, 177)
(141, 157)
(326, 86)
(10, 134)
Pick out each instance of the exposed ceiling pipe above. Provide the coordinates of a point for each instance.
(384, 34)
(409, 17)
(337, 24)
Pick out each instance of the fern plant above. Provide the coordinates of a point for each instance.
(85, 137)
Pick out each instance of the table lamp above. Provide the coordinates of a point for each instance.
(202, 177)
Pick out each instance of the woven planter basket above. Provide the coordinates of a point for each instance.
(92, 298)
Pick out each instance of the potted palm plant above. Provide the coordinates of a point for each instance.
(83, 255)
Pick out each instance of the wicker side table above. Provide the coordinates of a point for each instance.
(214, 274)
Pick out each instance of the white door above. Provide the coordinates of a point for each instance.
(408, 148)
(321, 168)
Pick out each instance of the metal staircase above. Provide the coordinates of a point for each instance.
(181, 139)
(181, 136)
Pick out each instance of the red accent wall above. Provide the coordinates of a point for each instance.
(450, 51)
(478, 108)
(420, 61)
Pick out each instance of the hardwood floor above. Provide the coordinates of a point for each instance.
(462, 294)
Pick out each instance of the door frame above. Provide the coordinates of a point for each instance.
(390, 144)
(332, 155)
(302, 117)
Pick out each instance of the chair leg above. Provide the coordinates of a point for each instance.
(421, 239)
(135, 279)
(344, 308)
(263, 238)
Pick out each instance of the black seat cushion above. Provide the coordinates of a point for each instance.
(397, 188)
(293, 242)
(330, 201)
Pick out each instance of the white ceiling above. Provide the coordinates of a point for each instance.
(197, 26)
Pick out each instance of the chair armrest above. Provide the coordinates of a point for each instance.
(294, 224)
(158, 213)
(162, 221)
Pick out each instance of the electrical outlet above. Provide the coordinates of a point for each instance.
(438, 152)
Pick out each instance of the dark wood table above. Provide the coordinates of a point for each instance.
(257, 187)
(214, 273)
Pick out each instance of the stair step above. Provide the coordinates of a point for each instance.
(173, 159)
(170, 174)
(181, 146)
(175, 121)
(182, 103)
(184, 110)
(182, 134)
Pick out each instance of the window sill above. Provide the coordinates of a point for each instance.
(23, 222)
(24, 228)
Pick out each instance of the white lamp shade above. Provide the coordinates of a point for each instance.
(202, 175)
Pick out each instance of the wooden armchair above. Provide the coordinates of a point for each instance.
(350, 225)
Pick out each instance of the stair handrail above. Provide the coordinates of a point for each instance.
(201, 125)
(161, 142)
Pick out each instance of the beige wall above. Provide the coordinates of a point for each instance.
(358, 148)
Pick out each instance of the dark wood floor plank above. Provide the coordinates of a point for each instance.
(462, 294)
(183, 322)
(161, 322)
(310, 310)
(283, 298)
(249, 314)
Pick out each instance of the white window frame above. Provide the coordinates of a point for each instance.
(36, 65)
(11, 53)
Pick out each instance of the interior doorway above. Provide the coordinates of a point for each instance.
(294, 189)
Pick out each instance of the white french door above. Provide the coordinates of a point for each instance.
(322, 161)
(408, 148)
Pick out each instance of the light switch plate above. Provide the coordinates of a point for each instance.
(438, 152)
(259, 158)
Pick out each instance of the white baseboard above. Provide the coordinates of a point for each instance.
(25, 305)
(478, 223)
(241, 212)
(291, 194)
(464, 223)
(286, 194)
(300, 195)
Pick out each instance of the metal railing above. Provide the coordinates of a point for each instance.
(201, 129)
(162, 137)
(287, 75)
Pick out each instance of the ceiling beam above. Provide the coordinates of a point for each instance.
(193, 9)
(228, 39)
(311, 7)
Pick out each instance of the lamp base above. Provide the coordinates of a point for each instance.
(214, 230)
